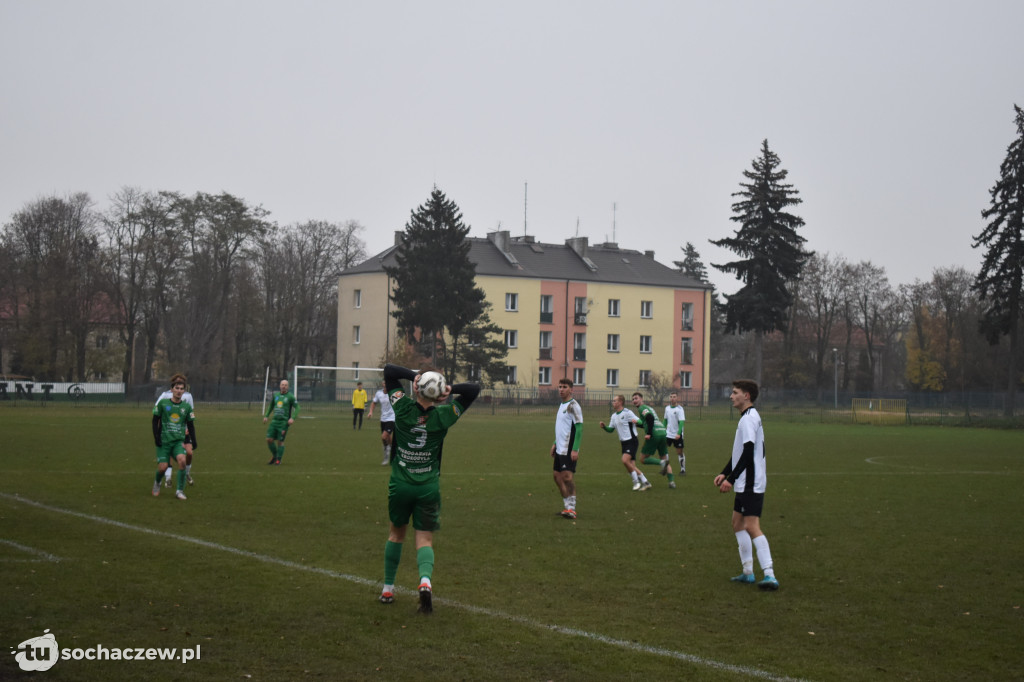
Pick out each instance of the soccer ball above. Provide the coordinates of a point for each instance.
(432, 385)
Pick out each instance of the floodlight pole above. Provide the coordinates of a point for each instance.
(835, 377)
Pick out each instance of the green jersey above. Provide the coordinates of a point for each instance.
(419, 437)
(284, 406)
(650, 422)
(174, 418)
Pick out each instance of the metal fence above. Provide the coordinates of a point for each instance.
(965, 408)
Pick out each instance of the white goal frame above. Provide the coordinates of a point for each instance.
(376, 372)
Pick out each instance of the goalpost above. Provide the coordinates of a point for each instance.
(880, 411)
(317, 386)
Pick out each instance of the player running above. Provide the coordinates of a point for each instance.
(172, 420)
(654, 439)
(623, 422)
(189, 437)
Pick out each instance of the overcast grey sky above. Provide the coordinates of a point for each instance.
(891, 117)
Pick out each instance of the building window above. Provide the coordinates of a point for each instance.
(646, 309)
(687, 317)
(645, 344)
(355, 373)
(579, 376)
(545, 345)
(473, 339)
(512, 303)
(356, 334)
(645, 378)
(544, 376)
(547, 309)
(512, 338)
(102, 341)
(612, 377)
(357, 298)
(512, 377)
(613, 307)
(581, 305)
(613, 343)
(686, 349)
(473, 374)
(685, 380)
(579, 347)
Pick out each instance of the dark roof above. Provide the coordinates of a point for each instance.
(523, 257)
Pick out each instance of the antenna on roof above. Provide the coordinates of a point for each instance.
(577, 226)
(525, 187)
(614, 208)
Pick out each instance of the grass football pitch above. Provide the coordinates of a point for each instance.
(890, 545)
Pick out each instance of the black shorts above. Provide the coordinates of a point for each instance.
(676, 443)
(748, 504)
(387, 426)
(564, 463)
(629, 447)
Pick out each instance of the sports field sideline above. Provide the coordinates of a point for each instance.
(886, 542)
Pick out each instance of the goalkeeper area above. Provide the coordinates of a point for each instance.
(880, 411)
(332, 387)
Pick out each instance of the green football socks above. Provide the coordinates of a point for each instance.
(392, 557)
(425, 560)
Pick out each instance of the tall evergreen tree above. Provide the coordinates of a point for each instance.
(435, 295)
(771, 250)
(1001, 279)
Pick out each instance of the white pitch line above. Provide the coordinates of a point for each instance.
(521, 620)
(43, 556)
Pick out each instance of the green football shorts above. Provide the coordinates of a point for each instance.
(422, 502)
(168, 451)
(656, 445)
(277, 430)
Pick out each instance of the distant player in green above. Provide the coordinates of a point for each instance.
(655, 441)
(172, 421)
(285, 408)
(414, 489)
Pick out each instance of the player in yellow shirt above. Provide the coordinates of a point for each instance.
(359, 399)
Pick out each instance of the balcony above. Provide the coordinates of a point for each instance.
(547, 318)
(579, 354)
(545, 353)
(581, 319)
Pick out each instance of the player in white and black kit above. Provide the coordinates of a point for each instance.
(623, 422)
(566, 448)
(746, 472)
(189, 443)
(674, 418)
(387, 421)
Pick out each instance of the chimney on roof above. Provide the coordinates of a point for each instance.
(649, 254)
(499, 238)
(398, 237)
(578, 244)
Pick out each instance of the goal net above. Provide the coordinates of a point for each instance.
(333, 386)
(879, 411)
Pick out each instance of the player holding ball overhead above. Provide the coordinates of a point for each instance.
(414, 489)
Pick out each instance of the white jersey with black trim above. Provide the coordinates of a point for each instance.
(674, 418)
(750, 430)
(387, 412)
(624, 422)
(568, 416)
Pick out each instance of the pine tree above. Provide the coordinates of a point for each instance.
(771, 249)
(1001, 279)
(436, 297)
